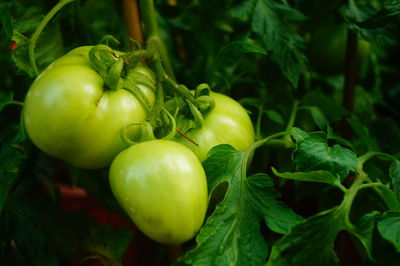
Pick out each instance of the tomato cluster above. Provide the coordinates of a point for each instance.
(69, 113)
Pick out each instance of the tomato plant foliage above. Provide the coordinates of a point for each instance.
(305, 172)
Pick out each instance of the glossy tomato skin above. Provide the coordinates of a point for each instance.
(70, 115)
(227, 123)
(162, 187)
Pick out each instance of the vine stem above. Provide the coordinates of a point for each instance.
(151, 30)
(363, 158)
(292, 117)
(132, 20)
(349, 197)
(39, 29)
(272, 138)
(13, 103)
(179, 89)
(372, 185)
(258, 123)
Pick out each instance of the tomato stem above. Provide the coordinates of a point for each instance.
(151, 30)
(13, 103)
(349, 197)
(259, 119)
(365, 157)
(158, 105)
(132, 20)
(180, 89)
(270, 139)
(39, 29)
(292, 117)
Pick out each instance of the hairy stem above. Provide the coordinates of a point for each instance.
(182, 90)
(40, 28)
(151, 30)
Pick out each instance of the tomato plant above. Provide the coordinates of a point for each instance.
(227, 123)
(70, 114)
(159, 164)
(163, 188)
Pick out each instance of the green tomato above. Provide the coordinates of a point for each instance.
(328, 49)
(227, 123)
(162, 187)
(70, 115)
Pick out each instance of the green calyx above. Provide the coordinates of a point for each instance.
(121, 70)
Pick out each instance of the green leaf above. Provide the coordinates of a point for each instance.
(394, 173)
(364, 231)
(269, 20)
(96, 184)
(25, 218)
(310, 242)
(234, 50)
(275, 116)
(231, 235)
(388, 13)
(389, 228)
(333, 110)
(5, 98)
(12, 157)
(314, 153)
(376, 27)
(108, 243)
(390, 198)
(319, 176)
(362, 132)
(49, 46)
(318, 116)
(67, 231)
(298, 134)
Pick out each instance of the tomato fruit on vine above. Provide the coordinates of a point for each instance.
(328, 49)
(71, 115)
(227, 123)
(162, 186)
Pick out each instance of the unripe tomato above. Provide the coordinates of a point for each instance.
(328, 48)
(69, 114)
(227, 123)
(162, 187)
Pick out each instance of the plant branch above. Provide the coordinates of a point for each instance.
(152, 33)
(365, 157)
(13, 103)
(39, 29)
(132, 20)
(258, 123)
(351, 69)
(180, 89)
(272, 138)
(292, 117)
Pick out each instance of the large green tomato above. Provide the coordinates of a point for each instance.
(69, 114)
(328, 48)
(227, 123)
(162, 187)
